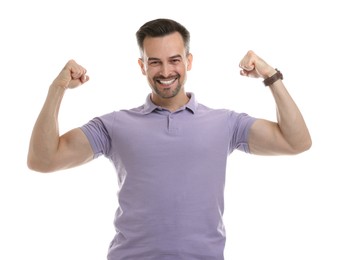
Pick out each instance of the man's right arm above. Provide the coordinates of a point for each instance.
(48, 151)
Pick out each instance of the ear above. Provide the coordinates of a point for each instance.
(142, 66)
(189, 60)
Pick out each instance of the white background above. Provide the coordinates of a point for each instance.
(286, 207)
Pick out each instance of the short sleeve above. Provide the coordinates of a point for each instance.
(98, 134)
(241, 127)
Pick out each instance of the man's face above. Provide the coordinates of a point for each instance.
(165, 63)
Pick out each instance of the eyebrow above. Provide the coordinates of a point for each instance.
(172, 57)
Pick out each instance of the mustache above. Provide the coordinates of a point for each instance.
(177, 76)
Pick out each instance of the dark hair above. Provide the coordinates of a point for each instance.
(162, 27)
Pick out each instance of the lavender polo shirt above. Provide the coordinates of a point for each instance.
(171, 171)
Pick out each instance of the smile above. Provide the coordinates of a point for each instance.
(166, 81)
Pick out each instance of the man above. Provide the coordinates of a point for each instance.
(170, 153)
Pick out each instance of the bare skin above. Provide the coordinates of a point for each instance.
(165, 64)
(48, 151)
(290, 134)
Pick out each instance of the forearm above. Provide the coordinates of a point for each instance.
(287, 136)
(290, 120)
(45, 135)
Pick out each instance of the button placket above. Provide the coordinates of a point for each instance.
(172, 128)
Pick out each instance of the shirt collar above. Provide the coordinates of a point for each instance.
(149, 106)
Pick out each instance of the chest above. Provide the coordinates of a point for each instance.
(170, 135)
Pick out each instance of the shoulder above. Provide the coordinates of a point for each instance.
(227, 116)
(203, 109)
(121, 113)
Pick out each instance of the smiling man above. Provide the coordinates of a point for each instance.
(170, 153)
(165, 68)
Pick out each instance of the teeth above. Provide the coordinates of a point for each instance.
(167, 82)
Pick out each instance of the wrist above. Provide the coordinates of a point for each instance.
(57, 90)
(58, 85)
(269, 73)
(275, 76)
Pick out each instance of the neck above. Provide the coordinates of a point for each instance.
(171, 104)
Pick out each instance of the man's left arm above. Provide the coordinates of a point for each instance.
(289, 135)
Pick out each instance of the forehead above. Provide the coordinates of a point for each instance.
(168, 45)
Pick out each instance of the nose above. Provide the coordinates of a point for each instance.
(165, 70)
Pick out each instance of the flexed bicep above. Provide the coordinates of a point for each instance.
(265, 138)
(73, 149)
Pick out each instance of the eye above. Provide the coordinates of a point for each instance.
(175, 61)
(153, 63)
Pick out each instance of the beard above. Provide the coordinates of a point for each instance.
(165, 92)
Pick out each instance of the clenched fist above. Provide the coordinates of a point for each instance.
(253, 66)
(71, 76)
